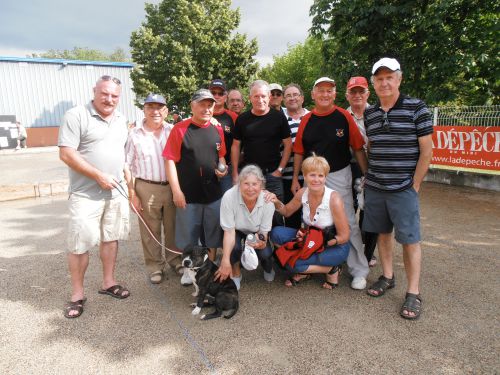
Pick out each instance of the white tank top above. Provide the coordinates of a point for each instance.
(323, 216)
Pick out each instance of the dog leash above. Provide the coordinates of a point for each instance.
(122, 191)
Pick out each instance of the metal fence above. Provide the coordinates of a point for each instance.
(483, 115)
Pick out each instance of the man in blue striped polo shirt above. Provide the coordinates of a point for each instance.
(399, 130)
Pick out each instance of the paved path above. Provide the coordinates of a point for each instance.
(278, 330)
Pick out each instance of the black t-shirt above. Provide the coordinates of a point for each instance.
(261, 137)
(227, 119)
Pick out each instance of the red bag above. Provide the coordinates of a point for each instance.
(294, 250)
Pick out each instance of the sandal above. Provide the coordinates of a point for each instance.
(116, 291)
(412, 304)
(333, 271)
(381, 286)
(74, 306)
(292, 281)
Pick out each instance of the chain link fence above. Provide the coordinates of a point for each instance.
(484, 115)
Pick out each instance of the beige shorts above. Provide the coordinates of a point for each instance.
(94, 221)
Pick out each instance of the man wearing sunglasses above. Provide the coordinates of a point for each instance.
(399, 130)
(226, 119)
(276, 96)
(92, 143)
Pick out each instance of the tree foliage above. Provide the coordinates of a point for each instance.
(183, 44)
(301, 64)
(448, 49)
(84, 53)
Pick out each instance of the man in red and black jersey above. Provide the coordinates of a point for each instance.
(193, 150)
(226, 119)
(330, 131)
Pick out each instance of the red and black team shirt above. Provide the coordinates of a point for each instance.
(196, 149)
(227, 119)
(329, 135)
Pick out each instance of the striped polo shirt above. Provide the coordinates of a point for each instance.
(294, 127)
(393, 153)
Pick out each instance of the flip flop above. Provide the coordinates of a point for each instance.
(74, 306)
(115, 291)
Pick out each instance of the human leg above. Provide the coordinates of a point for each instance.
(412, 258)
(295, 220)
(77, 264)
(174, 260)
(281, 235)
(211, 227)
(275, 185)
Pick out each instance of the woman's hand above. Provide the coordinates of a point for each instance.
(259, 245)
(225, 270)
(269, 197)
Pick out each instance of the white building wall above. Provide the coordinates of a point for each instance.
(39, 91)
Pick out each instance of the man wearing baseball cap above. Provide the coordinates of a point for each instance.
(357, 94)
(331, 132)
(276, 96)
(150, 192)
(399, 130)
(193, 151)
(226, 119)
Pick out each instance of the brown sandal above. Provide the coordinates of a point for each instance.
(74, 306)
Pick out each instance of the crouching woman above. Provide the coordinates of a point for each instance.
(322, 208)
(243, 211)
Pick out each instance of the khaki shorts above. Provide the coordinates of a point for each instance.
(94, 221)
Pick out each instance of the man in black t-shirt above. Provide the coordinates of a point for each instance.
(261, 131)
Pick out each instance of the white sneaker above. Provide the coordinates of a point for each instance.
(237, 281)
(18, 148)
(186, 279)
(358, 283)
(269, 276)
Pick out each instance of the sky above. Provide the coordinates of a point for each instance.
(36, 26)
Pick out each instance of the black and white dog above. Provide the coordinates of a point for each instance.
(222, 295)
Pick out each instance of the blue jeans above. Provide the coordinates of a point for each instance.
(275, 185)
(264, 255)
(331, 256)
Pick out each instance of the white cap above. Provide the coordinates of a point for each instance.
(249, 259)
(275, 86)
(324, 79)
(386, 62)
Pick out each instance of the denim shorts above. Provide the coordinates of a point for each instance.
(385, 211)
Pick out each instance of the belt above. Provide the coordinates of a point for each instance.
(152, 182)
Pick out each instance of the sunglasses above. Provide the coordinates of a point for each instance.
(110, 78)
(276, 93)
(218, 93)
(386, 125)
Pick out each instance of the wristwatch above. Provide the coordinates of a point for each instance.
(280, 170)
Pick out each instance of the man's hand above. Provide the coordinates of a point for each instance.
(224, 271)
(277, 173)
(220, 174)
(107, 181)
(179, 199)
(295, 186)
(136, 202)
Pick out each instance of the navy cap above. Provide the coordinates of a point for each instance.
(219, 83)
(155, 98)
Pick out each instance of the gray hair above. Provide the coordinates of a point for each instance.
(253, 170)
(293, 85)
(399, 73)
(259, 83)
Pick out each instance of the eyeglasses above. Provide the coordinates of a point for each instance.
(110, 78)
(276, 93)
(218, 93)
(386, 125)
(292, 96)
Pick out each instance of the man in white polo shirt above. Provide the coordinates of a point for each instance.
(150, 192)
(92, 143)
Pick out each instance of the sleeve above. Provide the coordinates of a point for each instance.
(130, 152)
(298, 147)
(70, 131)
(285, 128)
(423, 120)
(222, 149)
(227, 221)
(356, 140)
(172, 150)
(232, 114)
(267, 218)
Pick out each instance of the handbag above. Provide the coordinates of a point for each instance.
(290, 252)
(249, 259)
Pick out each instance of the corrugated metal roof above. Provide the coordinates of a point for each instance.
(65, 62)
(38, 93)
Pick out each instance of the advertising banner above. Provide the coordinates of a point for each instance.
(467, 148)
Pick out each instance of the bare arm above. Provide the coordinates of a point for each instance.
(297, 164)
(173, 180)
(225, 269)
(360, 156)
(285, 156)
(289, 208)
(235, 158)
(340, 218)
(424, 160)
(74, 160)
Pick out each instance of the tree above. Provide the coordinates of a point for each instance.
(301, 64)
(183, 44)
(84, 53)
(448, 49)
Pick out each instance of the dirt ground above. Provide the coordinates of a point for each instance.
(278, 330)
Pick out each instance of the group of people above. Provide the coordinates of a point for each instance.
(279, 173)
